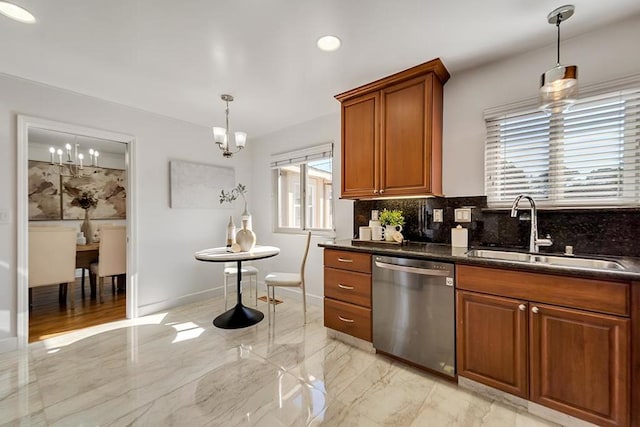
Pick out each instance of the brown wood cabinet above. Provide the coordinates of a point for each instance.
(347, 292)
(492, 341)
(579, 363)
(392, 134)
(521, 340)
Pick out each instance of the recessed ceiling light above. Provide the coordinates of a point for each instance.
(328, 43)
(17, 13)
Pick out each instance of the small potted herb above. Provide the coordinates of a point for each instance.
(392, 220)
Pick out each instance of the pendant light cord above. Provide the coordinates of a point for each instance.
(558, 21)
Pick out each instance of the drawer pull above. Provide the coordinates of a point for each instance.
(345, 320)
(349, 288)
(535, 310)
(522, 307)
(345, 260)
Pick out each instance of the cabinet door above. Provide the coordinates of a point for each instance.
(492, 341)
(409, 151)
(360, 135)
(580, 363)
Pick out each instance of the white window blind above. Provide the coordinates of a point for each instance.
(586, 157)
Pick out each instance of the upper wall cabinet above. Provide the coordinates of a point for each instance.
(392, 134)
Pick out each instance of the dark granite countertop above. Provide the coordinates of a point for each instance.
(444, 252)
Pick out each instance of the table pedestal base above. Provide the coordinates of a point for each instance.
(238, 317)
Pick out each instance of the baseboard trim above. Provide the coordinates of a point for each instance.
(155, 307)
(8, 344)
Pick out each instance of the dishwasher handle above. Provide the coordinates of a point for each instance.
(416, 270)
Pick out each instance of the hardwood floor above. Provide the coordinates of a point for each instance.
(48, 318)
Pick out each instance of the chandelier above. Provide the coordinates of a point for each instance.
(559, 85)
(73, 161)
(221, 135)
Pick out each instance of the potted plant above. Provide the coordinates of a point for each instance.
(229, 196)
(392, 220)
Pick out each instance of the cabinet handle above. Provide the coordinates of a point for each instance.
(341, 286)
(381, 191)
(535, 310)
(345, 260)
(345, 320)
(375, 191)
(522, 307)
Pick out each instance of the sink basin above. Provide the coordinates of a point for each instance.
(561, 261)
(597, 264)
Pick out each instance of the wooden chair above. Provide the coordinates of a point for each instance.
(248, 271)
(52, 258)
(291, 280)
(112, 255)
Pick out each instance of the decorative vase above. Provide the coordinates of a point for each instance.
(246, 238)
(246, 216)
(231, 232)
(87, 227)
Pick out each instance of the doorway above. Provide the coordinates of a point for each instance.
(50, 153)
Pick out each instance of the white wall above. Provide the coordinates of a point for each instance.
(167, 237)
(321, 130)
(600, 55)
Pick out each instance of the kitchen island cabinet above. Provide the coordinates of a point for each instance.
(392, 134)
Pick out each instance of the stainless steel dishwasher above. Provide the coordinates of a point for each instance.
(414, 311)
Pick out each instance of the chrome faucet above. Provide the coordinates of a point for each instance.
(534, 242)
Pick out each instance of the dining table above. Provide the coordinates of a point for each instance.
(239, 316)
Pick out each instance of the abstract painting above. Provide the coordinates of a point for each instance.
(107, 185)
(198, 185)
(44, 191)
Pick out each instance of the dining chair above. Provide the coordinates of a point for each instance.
(290, 280)
(112, 255)
(52, 258)
(248, 271)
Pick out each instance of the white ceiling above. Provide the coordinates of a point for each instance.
(175, 58)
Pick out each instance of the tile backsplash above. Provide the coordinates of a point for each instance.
(589, 231)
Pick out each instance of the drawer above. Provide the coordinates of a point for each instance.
(348, 286)
(587, 294)
(345, 260)
(348, 318)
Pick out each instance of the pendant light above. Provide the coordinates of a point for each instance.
(221, 135)
(559, 85)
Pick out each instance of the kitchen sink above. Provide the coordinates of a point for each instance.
(503, 255)
(561, 261)
(598, 264)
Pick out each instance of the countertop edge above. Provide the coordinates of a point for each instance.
(444, 252)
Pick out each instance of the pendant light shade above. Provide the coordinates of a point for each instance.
(559, 85)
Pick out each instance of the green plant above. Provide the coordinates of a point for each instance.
(230, 196)
(391, 217)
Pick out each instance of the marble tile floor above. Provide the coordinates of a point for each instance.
(176, 368)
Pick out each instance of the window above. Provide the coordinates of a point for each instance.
(304, 189)
(586, 157)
